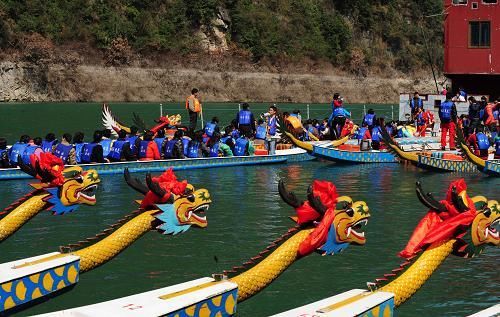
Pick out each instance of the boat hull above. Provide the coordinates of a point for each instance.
(286, 156)
(444, 165)
(354, 157)
(492, 168)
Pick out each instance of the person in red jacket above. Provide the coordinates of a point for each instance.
(148, 149)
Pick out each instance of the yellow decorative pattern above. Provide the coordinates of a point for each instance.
(417, 274)
(258, 277)
(20, 215)
(104, 250)
(31, 287)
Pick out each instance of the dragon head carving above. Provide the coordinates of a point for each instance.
(455, 217)
(180, 205)
(337, 220)
(68, 187)
(483, 229)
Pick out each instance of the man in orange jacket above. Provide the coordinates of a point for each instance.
(193, 105)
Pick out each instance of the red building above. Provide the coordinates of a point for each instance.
(472, 45)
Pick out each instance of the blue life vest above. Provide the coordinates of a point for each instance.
(214, 150)
(369, 119)
(169, 148)
(78, 151)
(482, 141)
(235, 134)
(413, 106)
(47, 146)
(376, 135)
(260, 133)
(2, 151)
(16, 150)
(116, 150)
(240, 148)
(143, 149)
(481, 114)
(210, 128)
(338, 112)
(131, 140)
(389, 130)
(273, 124)
(106, 146)
(445, 111)
(30, 150)
(244, 117)
(159, 143)
(361, 133)
(497, 146)
(185, 145)
(420, 119)
(62, 151)
(87, 152)
(193, 148)
(495, 114)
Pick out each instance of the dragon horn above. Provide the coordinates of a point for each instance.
(45, 176)
(135, 183)
(428, 200)
(315, 201)
(385, 136)
(458, 201)
(28, 169)
(154, 187)
(288, 197)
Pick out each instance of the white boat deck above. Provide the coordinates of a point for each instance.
(493, 311)
(21, 268)
(348, 304)
(159, 302)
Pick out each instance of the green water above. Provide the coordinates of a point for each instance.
(37, 119)
(245, 216)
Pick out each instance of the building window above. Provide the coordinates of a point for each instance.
(459, 2)
(490, 1)
(479, 33)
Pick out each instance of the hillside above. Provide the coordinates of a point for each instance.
(354, 39)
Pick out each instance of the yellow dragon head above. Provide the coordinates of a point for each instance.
(337, 221)
(68, 187)
(180, 205)
(483, 229)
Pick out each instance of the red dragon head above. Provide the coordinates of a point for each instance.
(452, 218)
(336, 220)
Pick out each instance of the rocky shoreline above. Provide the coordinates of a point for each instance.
(22, 82)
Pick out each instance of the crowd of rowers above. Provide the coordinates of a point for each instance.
(240, 138)
(244, 134)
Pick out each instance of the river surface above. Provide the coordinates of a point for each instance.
(38, 119)
(246, 215)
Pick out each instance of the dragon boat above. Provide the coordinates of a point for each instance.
(443, 231)
(347, 150)
(169, 206)
(281, 157)
(490, 167)
(441, 161)
(60, 190)
(326, 223)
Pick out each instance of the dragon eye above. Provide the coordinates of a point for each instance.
(350, 212)
(79, 179)
(487, 212)
(191, 198)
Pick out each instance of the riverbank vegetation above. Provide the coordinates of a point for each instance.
(360, 36)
